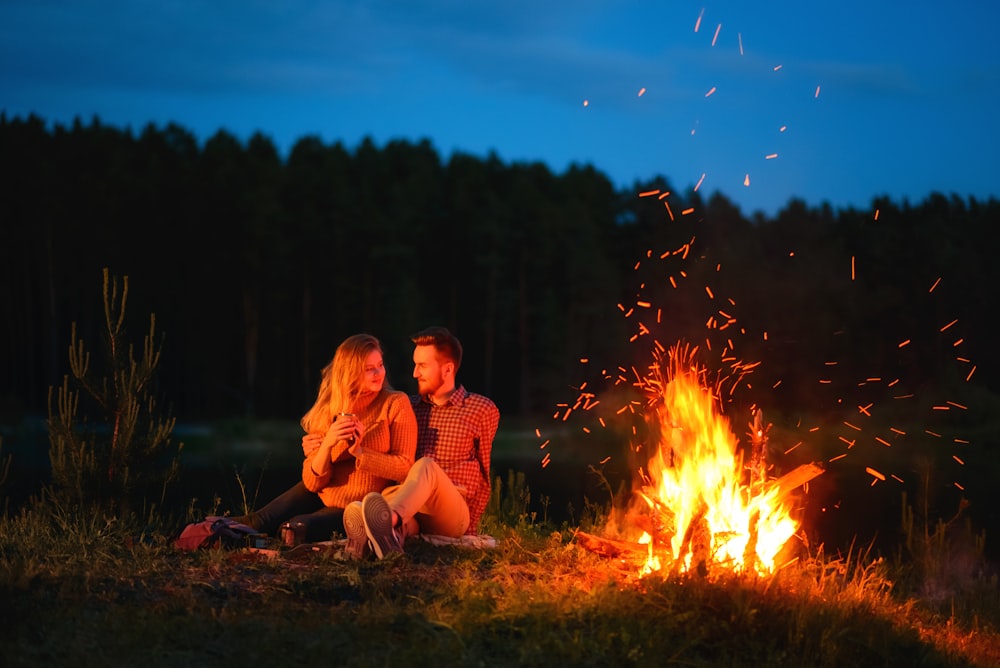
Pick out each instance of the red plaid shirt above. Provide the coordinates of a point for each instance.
(459, 437)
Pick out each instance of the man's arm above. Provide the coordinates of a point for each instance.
(490, 416)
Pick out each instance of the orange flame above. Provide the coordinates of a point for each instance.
(698, 491)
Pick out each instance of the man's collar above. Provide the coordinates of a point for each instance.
(457, 397)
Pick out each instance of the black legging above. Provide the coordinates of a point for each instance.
(297, 504)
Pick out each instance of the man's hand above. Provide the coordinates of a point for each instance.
(310, 444)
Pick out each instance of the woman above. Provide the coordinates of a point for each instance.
(360, 436)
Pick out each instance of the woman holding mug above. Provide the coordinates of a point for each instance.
(360, 436)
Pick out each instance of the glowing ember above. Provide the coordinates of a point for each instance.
(700, 505)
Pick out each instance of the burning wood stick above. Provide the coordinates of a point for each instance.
(758, 450)
(689, 534)
(798, 477)
(750, 551)
(607, 547)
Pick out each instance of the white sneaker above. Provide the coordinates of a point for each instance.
(354, 527)
(385, 538)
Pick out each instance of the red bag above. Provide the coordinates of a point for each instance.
(214, 531)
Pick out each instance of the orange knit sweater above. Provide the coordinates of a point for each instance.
(386, 453)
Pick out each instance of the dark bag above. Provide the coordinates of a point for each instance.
(214, 531)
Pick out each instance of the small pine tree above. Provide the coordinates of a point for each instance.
(113, 454)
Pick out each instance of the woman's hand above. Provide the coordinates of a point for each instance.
(344, 428)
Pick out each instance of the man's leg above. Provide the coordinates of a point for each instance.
(429, 496)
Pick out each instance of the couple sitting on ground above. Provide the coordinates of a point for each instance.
(380, 466)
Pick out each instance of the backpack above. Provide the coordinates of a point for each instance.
(215, 531)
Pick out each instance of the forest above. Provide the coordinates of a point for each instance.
(256, 266)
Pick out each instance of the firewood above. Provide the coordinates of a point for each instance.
(750, 551)
(608, 547)
(694, 526)
(757, 468)
(798, 477)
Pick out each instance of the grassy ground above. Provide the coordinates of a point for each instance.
(84, 591)
(80, 589)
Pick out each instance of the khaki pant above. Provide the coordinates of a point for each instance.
(429, 502)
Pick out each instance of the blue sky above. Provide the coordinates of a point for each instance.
(855, 99)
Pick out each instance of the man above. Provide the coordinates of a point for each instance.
(448, 487)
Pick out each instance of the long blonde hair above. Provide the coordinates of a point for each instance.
(341, 382)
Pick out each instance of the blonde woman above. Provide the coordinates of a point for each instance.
(360, 436)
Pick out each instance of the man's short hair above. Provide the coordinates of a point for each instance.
(445, 343)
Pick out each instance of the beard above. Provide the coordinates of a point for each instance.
(429, 385)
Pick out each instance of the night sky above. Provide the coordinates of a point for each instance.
(827, 102)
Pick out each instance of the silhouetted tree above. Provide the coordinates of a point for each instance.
(263, 265)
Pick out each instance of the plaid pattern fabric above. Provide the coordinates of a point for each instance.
(459, 437)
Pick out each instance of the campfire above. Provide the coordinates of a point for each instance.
(701, 501)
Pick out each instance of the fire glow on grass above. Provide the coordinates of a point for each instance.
(697, 493)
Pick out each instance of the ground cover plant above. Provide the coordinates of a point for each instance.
(85, 589)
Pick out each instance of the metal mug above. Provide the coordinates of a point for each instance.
(293, 533)
(350, 441)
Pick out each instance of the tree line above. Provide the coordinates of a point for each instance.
(256, 266)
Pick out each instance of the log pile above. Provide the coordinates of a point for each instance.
(697, 539)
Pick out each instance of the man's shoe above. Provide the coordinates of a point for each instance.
(354, 527)
(385, 538)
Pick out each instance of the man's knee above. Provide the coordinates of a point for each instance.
(425, 467)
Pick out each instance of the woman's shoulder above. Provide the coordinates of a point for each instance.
(395, 405)
(393, 397)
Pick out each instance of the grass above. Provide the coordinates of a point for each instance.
(83, 590)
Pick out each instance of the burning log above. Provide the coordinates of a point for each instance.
(697, 537)
(607, 547)
(758, 473)
(758, 451)
(798, 477)
(750, 551)
(785, 484)
(697, 541)
(657, 521)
